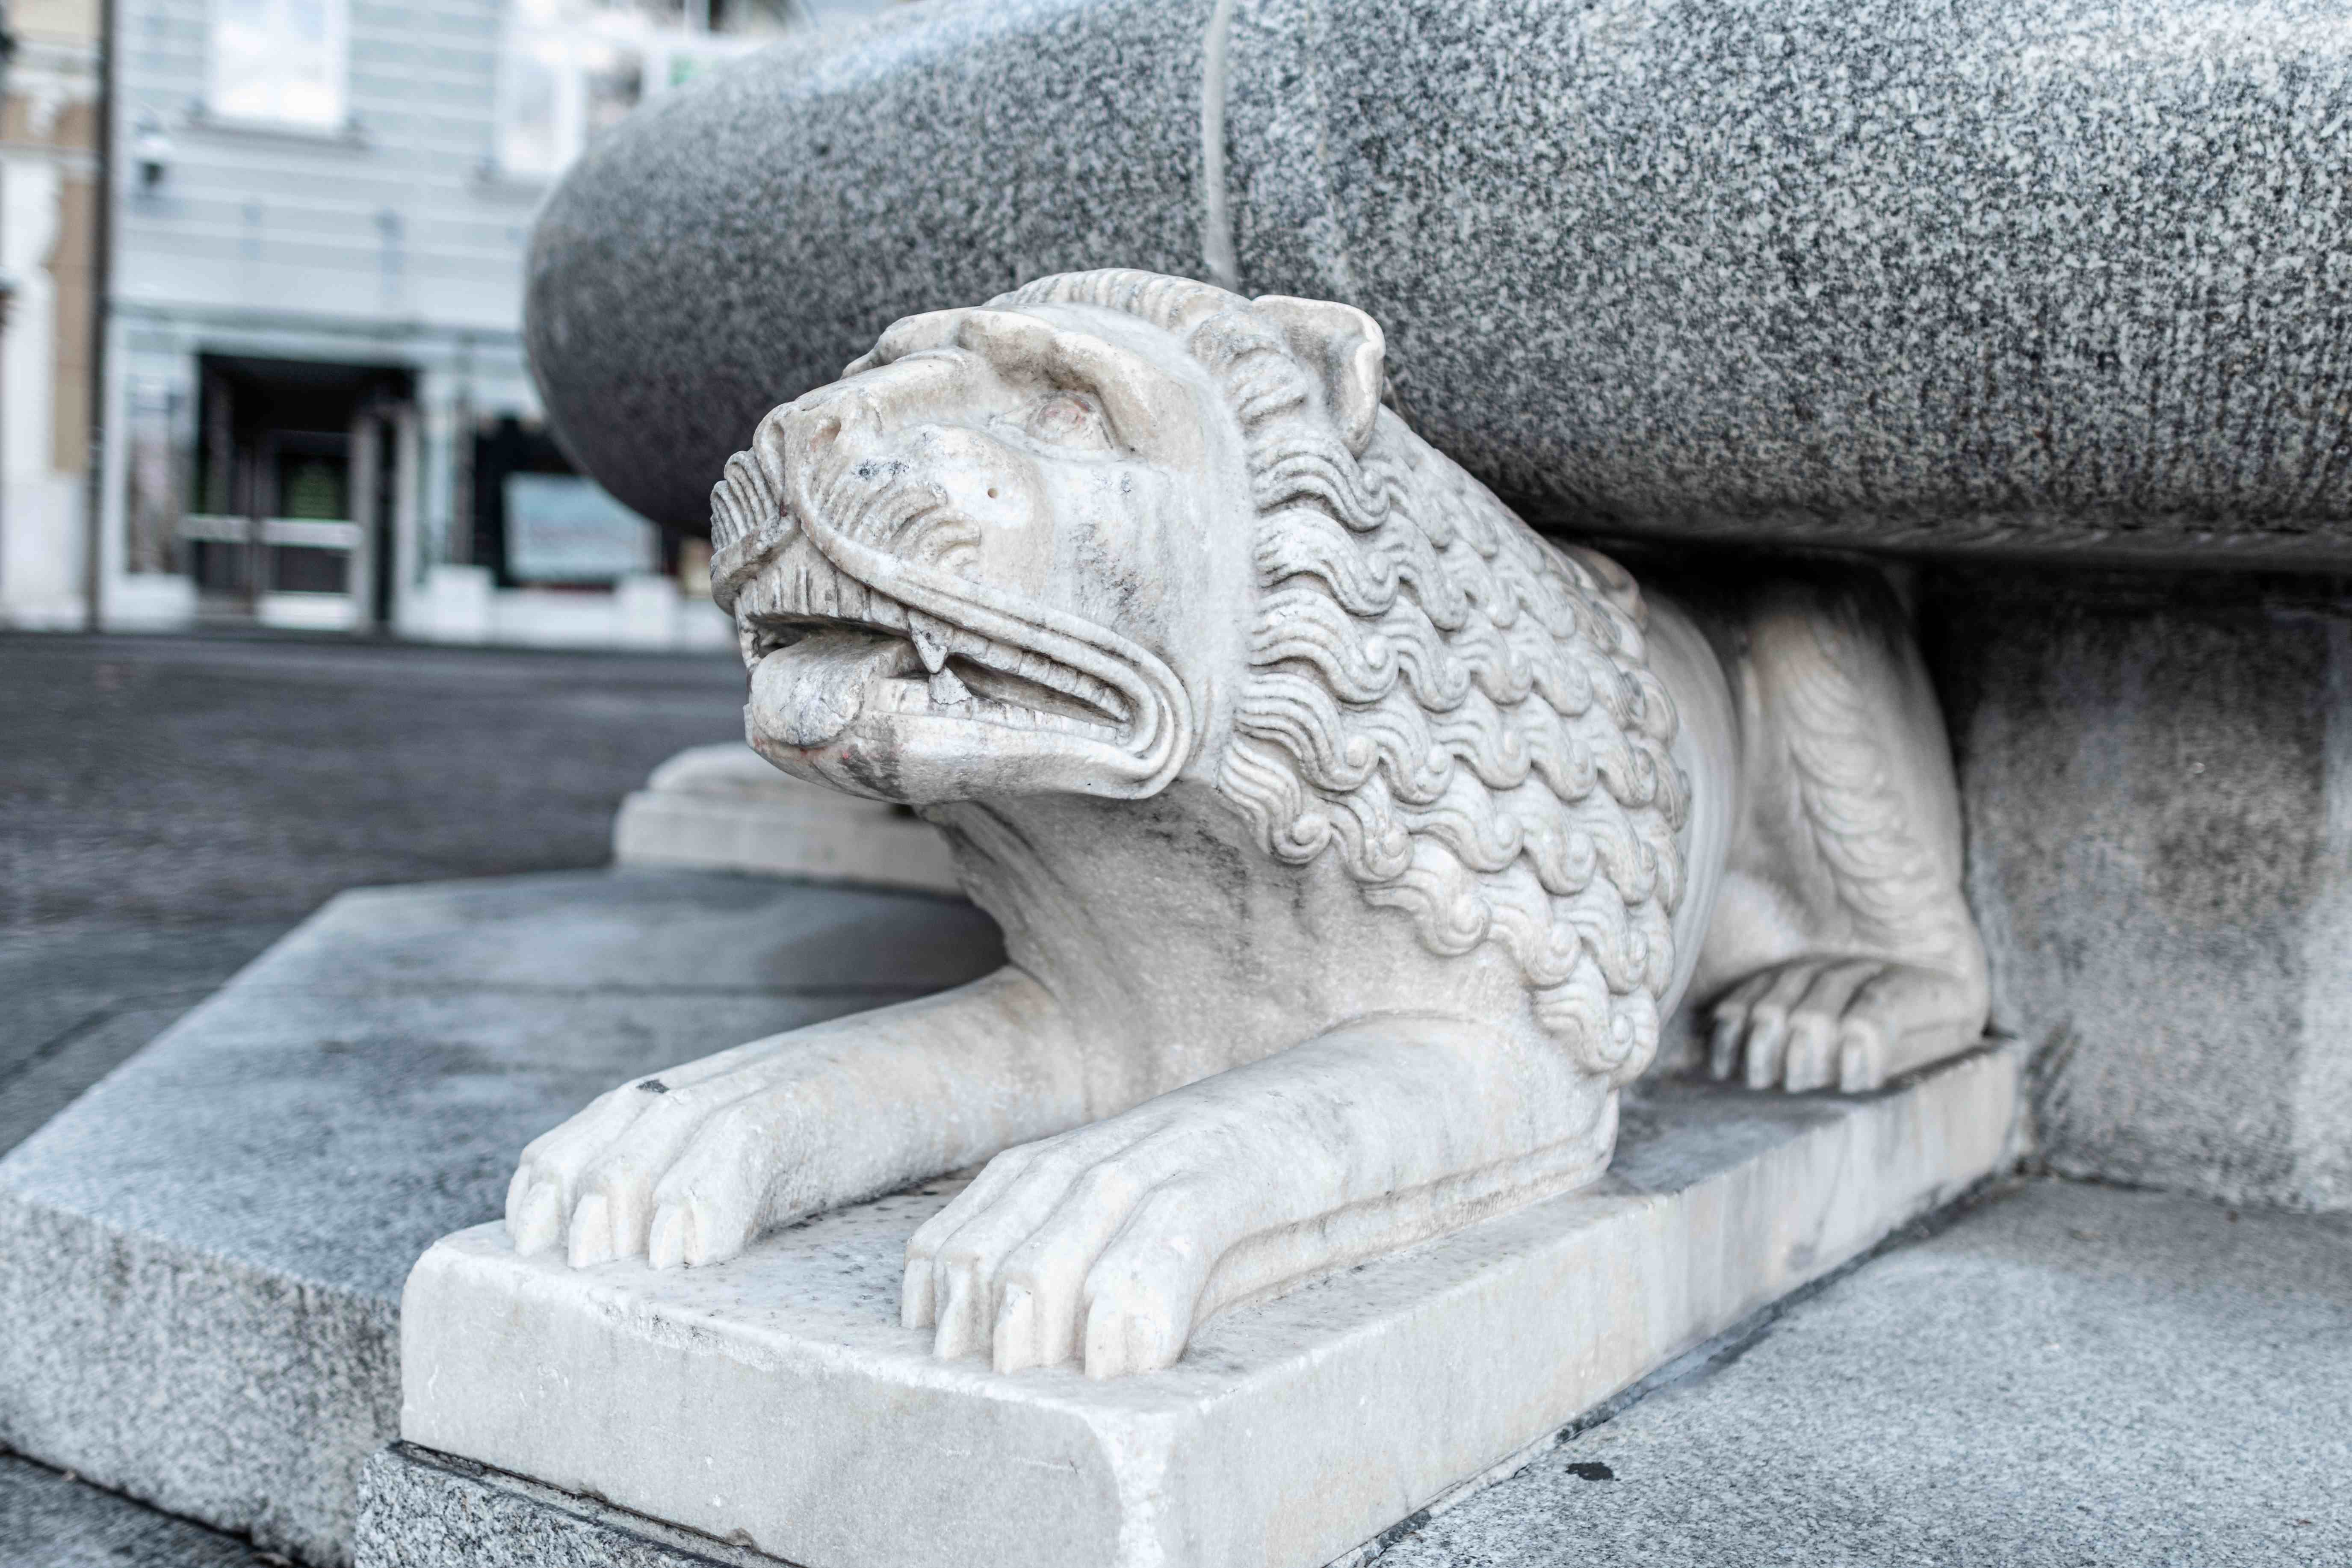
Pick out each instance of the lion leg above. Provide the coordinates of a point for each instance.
(690, 1165)
(1107, 1244)
(1841, 947)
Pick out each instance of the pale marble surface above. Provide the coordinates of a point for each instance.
(2003, 1388)
(775, 1400)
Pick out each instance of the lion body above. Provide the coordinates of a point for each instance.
(1352, 842)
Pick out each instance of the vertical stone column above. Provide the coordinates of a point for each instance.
(2157, 777)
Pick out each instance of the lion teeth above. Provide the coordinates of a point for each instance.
(820, 592)
(1093, 692)
(929, 638)
(800, 584)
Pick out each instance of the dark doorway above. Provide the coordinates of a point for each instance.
(293, 482)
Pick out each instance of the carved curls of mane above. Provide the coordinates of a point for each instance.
(1461, 713)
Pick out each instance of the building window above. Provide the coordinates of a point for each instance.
(539, 523)
(571, 67)
(563, 528)
(280, 60)
(568, 72)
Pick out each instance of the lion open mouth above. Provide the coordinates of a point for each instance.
(894, 654)
(827, 649)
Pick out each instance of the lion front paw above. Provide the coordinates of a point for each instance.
(1851, 1023)
(679, 1167)
(1093, 1245)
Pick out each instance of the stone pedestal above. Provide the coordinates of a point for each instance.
(722, 808)
(2156, 775)
(1869, 274)
(1999, 1389)
(774, 1402)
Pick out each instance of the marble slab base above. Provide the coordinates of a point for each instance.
(723, 808)
(774, 1402)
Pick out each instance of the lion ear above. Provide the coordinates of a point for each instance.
(1345, 348)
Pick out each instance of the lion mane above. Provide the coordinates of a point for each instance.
(1458, 710)
(1461, 713)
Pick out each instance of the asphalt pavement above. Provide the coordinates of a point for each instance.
(169, 807)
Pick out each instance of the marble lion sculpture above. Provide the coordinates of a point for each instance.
(1352, 844)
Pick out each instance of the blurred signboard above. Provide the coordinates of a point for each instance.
(561, 527)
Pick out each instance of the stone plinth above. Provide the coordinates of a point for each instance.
(2156, 776)
(775, 1402)
(1999, 1390)
(723, 808)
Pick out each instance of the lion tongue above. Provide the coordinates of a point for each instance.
(807, 694)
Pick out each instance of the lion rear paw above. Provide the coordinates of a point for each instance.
(1849, 1023)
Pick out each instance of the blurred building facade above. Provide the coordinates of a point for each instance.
(48, 184)
(318, 414)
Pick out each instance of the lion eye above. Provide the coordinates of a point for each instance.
(1069, 420)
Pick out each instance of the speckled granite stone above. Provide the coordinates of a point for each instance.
(422, 1510)
(737, 244)
(2157, 777)
(2069, 1377)
(204, 1253)
(2034, 276)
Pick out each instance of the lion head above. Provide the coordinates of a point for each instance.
(1113, 529)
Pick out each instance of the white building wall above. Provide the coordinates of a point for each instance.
(392, 240)
(40, 507)
(398, 218)
(42, 521)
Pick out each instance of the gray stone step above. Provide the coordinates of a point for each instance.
(2069, 1376)
(81, 1002)
(206, 1251)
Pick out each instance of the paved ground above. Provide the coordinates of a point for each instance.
(170, 805)
(2067, 1376)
